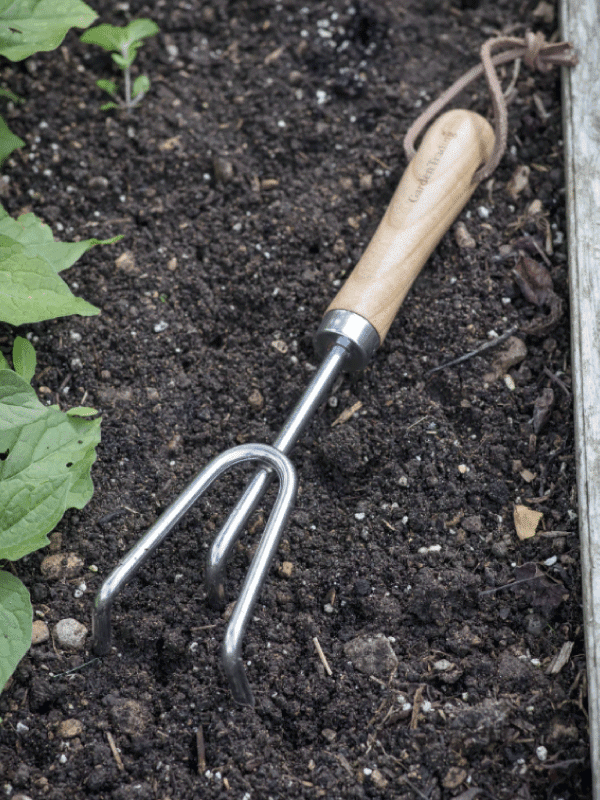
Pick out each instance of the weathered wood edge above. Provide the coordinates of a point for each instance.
(580, 21)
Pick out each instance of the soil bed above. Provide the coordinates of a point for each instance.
(247, 184)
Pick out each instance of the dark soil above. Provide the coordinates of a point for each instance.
(247, 184)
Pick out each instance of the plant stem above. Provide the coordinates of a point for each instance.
(128, 88)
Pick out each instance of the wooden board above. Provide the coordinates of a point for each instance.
(581, 117)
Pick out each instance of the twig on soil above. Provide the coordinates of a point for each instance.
(201, 751)
(321, 655)
(414, 719)
(560, 659)
(75, 669)
(555, 379)
(415, 789)
(487, 346)
(113, 749)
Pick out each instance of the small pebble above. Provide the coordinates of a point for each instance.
(161, 326)
(483, 212)
(286, 569)
(98, 182)
(126, 262)
(69, 728)
(61, 565)
(70, 634)
(541, 752)
(280, 346)
(256, 400)
(223, 169)
(40, 632)
(463, 237)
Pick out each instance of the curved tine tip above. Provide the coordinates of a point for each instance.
(236, 675)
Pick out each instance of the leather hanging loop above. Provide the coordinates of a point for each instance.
(533, 49)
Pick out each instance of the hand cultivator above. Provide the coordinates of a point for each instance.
(436, 185)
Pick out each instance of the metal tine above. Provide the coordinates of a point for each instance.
(139, 554)
(317, 390)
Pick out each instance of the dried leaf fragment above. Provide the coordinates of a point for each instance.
(526, 521)
(542, 408)
(544, 11)
(519, 181)
(463, 237)
(534, 280)
(511, 354)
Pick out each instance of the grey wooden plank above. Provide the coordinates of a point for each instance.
(581, 120)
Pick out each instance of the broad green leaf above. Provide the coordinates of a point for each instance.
(24, 359)
(110, 87)
(16, 618)
(140, 86)
(30, 231)
(108, 106)
(30, 288)
(45, 469)
(3, 362)
(8, 141)
(18, 403)
(30, 26)
(31, 291)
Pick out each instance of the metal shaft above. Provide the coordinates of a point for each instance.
(293, 428)
(345, 341)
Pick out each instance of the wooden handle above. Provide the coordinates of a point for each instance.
(433, 190)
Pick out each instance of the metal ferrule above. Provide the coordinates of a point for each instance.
(351, 330)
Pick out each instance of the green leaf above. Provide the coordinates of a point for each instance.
(30, 288)
(8, 141)
(107, 86)
(81, 411)
(24, 359)
(114, 39)
(16, 619)
(108, 106)
(140, 86)
(3, 362)
(30, 26)
(109, 37)
(46, 469)
(122, 62)
(141, 29)
(10, 95)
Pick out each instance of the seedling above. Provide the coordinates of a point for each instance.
(123, 44)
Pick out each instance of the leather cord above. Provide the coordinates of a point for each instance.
(533, 49)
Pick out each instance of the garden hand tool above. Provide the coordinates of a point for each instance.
(434, 188)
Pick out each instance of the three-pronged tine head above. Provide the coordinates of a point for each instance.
(278, 464)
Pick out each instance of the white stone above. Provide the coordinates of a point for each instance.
(70, 634)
